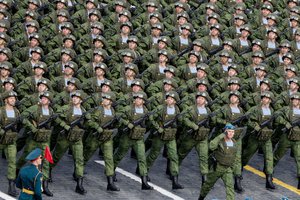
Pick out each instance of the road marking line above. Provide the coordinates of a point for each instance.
(6, 196)
(275, 180)
(138, 179)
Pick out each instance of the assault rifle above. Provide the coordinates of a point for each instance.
(203, 121)
(139, 121)
(169, 123)
(12, 125)
(240, 119)
(294, 123)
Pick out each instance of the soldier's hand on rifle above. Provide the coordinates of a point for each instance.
(99, 130)
(160, 130)
(288, 126)
(67, 127)
(195, 127)
(257, 128)
(2, 132)
(130, 126)
(34, 130)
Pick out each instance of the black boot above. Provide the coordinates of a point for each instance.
(168, 167)
(175, 184)
(237, 184)
(12, 188)
(269, 182)
(115, 177)
(74, 176)
(46, 190)
(137, 171)
(133, 154)
(298, 183)
(111, 185)
(204, 179)
(79, 186)
(201, 198)
(145, 185)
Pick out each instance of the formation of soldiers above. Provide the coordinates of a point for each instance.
(115, 75)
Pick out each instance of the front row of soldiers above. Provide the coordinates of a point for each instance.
(116, 129)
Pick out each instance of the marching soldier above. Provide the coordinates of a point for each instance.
(134, 135)
(225, 149)
(71, 119)
(103, 119)
(9, 120)
(39, 133)
(261, 121)
(166, 135)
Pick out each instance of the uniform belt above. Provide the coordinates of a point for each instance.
(27, 191)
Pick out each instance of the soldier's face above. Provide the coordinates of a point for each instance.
(38, 71)
(162, 58)
(193, 59)
(201, 74)
(136, 88)
(197, 48)
(209, 11)
(132, 45)
(129, 72)
(11, 101)
(42, 88)
(201, 101)
(272, 35)
(294, 23)
(98, 58)
(245, 33)
(156, 31)
(161, 45)
(119, 8)
(170, 101)
(224, 59)
(202, 88)
(214, 32)
(35, 56)
(90, 5)
(94, 18)
(291, 4)
(98, 44)
(284, 50)
(8, 87)
(234, 99)
(182, 20)
(154, 20)
(34, 42)
(297, 38)
(4, 72)
(229, 133)
(264, 87)
(2, 29)
(169, 75)
(256, 47)
(127, 59)
(125, 30)
(60, 6)
(3, 57)
(44, 101)
(256, 60)
(294, 86)
(167, 87)
(96, 31)
(106, 102)
(65, 58)
(139, 101)
(265, 100)
(296, 102)
(290, 74)
(265, 12)
(66, 31)
(68, 44)
(68, 71)
(123, 19)
(151, 9)
(233, 87)
(3, 6)
(31, 29)
(71, 87)
(239, 22)
(99, 72)
(61, 19)
(260, 73)
(287, 61)
(76, 100)
(32, 6)
(105, 89)
(232, 72)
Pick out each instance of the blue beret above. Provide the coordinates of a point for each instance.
(229, 126)
(34, 154)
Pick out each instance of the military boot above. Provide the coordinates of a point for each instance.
(111, 185)
(204, 179)
(145, 185)
(115, 177)
(79, 187)
(50, 180)
(269, 182)
(237, 184)
(46, 190)
(12, 188)
(175, 184)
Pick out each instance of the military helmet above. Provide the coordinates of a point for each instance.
(36, 36)
(33, 23)
(102, 66)
(31, 13)
(240, 6)
(241, 16)
(133, 67)
(285, 43)
(225, 53)
(228, 42)
(164, 39)
(5, 37)
(216, 26)
(203, 94)
(63, 13)
(69, 37)
(233, 66)
(138, 82)
(100, 52)
(69, 52)
(45, 82)
(267, 7)
(213, 16)
(273, 29)
(95, 2)
(246, 27)
(171, 82)
(290, 56)
(202, 82)
(125, 13)
(8, 94)
(4, 23)
(158, 25)
(262, 66)
(236, 93)
(107, 83)
(234, 80)
(72, 65)
(67, 25)
(266, 81)
(109, 95)
(198, 42)
(259, 54)
(6, 51)
(128, 53)
(296, 95)
(128, 24)
(292, 68)
(6, 65)
(133, 38)
(157, 15)
(97, 25)
(140, 94)
(295, 10)
(120, 3)
(211, 6)
(268, 94)
(11, 81)
(152, 3)
(75, 82)
(295, 80)
(203, 66)
(182, 5)
(163, 52)
(35, 2)
(195, 53)
(273, 17)
(295, 17)
(62, 1)
(96, 12)
(38, 50)
(41, 65)
(174, 95)
(171, 69)
(187, 26)
(78, 93)
(183, 14)
(47, 94)
(8, 3)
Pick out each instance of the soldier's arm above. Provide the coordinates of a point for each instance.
(62, 116)
(37, 187)
(27, 116)
(187, 119)
(155, 118)
(253, 121)
(213, 145)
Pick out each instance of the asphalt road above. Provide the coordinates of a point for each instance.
(95, 181)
